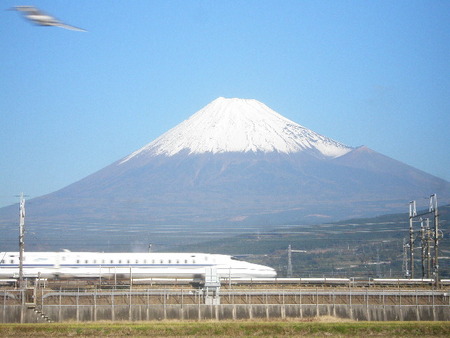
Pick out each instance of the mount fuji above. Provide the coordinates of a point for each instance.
(236, 161)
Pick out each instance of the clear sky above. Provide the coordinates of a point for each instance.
(374, 73)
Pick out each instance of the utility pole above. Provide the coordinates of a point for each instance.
(289, 267)
(412, 214)
(424, 244)
(426, 237)
(429, 238)
(434, 209)
(405, 259)
(378, 263)
(21, 238)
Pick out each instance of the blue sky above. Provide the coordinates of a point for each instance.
(374, 73)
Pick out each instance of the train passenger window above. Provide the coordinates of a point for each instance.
(103, 261)
(137, 261)
(193, 261)
(170, 261)
(12, 261)
(178, 261)
(145, 261)
(95, 261)
(185, 261)
(153, 261)
(3, 261)
(78, 261)
(162, 261)
(86, 261)
(112, 262)
(120, 261)
(128, 261)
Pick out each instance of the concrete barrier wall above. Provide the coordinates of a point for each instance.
(17, 314)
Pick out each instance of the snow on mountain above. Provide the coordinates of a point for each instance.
(240, 125)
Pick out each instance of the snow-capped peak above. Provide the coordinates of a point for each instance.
(240, 125)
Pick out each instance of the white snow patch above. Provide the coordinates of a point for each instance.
(239, 125)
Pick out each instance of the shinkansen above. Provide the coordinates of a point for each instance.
(68, 264)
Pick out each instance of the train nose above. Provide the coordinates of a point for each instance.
(271, 273)
(267, 272)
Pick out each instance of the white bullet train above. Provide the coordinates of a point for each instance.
(67, 264)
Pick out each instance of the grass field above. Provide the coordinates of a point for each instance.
(318, 327)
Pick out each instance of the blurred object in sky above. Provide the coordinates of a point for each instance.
(43, 19)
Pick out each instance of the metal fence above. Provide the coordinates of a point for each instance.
(170, 303)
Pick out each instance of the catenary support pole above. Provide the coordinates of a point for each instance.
(21, 238)
(412, 214)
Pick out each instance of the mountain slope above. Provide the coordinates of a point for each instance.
(238, 162)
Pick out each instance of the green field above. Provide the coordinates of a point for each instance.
(317, 327)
